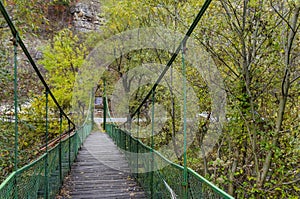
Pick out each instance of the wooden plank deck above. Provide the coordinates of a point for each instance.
(101, 171)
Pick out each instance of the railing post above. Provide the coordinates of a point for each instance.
(16, 160)
(60, 155)
(152, 144)
(125, 141)
(119, 137)
(69, 129)
(83, 134)
(46, 158)
(185, 178)
(130, 152)
(104, 105)
(122, 139)
(137, 147)
(92, 107)
(75, 145)
(115, 135)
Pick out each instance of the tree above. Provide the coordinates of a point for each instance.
(62, 60)
(254, 54)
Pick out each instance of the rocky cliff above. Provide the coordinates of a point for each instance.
(87, 16)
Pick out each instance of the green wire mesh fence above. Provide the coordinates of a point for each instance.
(160, 177)
(30, 181)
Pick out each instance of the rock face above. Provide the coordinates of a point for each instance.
(87, 16)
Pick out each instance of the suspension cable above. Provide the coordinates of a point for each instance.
(175, 54)
(22, 45)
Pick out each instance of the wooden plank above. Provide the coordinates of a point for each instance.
(101, 171)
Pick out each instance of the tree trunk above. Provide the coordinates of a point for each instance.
(292, 27)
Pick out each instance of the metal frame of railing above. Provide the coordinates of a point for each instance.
(43, 177)
(31, 179)
(164, 181)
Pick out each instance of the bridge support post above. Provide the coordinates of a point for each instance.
(92, 107)
(185, 174)
(137, 147)
(46, 158)
(69, 129)
(104, 105)
(59, 155)
(16, 160)
(152, 145)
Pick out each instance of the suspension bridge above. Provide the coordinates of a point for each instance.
(110, 164)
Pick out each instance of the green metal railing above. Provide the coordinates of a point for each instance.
(164, 179)
(31, 178)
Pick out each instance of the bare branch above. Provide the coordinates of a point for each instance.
(228, 13)
(280, 15)
(291, 182)
(295, 79)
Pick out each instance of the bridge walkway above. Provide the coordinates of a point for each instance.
(101, 171)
